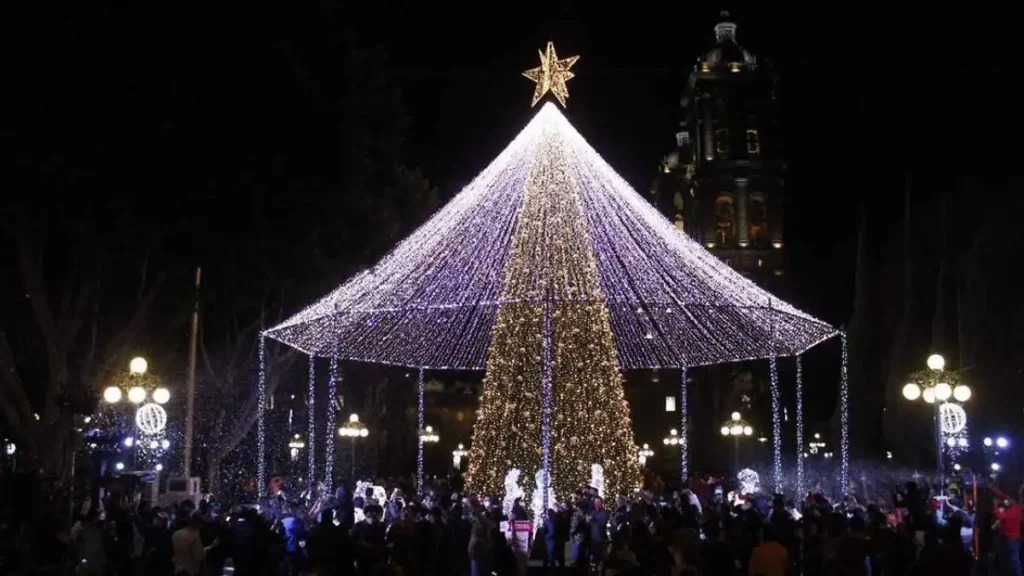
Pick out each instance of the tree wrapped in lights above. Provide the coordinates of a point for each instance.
(552, 273)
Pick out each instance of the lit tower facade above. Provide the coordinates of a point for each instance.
(724, 185)
(724, 182)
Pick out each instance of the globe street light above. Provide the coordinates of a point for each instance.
(737, 427)
(936, 386)
(672, 439)
(138, 365)
(645, 453)
(294, 445)
(457, 455)
(428, 436)
(353, 429)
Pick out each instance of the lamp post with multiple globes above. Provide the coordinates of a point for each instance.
(457, 455)
(644, 453)
(936, 386)
(353, 429)
(143, 392)
(738, 428)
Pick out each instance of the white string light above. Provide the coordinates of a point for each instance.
(776, 411)
(261, 423)
(432, 301)
(799, 427)
(311, 428)
(844, 419)
(684, 429)
(419, 419)
(332, 412)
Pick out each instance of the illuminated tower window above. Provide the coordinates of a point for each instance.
(753, 144)
(722, 142)
(725, 215)
(670, 403)
(757, 229)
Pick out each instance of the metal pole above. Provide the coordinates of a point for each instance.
(736, 453)
(684, 430)
(190, 381)
(352, 472)
(939, 468)
(419, 436)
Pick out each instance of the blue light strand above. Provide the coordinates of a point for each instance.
(545, 423)
(311, 429)
(261, 422)
(776, 408)
(799, 427)
(844, 420)
(419, 433)
(684, 429)
(332, 410)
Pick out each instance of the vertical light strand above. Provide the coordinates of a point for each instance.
(799, 427)
(776, 405)
(311, 428)
(684, 429)
(261, 422)
(329, 433)
(419, 434)
(545, 423)
(844, 420)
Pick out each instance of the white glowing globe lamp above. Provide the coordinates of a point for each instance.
(928, 395)
(943, 391)
(151, 418)
(112, 395)
(136, 394)
(911, 391)
(953, 418)
(748, 431)
(363, 432)
(962, 393)
(735, 415)
(736, 430)
(138, 365)
(353, 418)
(725, 430)
(161, 395)
(936, 362)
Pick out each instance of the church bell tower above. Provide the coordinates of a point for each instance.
(724, 182)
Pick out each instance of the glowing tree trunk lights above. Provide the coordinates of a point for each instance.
(553, 397)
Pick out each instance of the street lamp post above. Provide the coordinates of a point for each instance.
(645, 453)
(936, 386)
(737, 427)
(353, 429)
(427, 436)
(457, 455)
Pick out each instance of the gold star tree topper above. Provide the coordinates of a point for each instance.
(551, 75)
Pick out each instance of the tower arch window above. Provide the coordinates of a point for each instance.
(757, 219)
(753, 144)
(725, 219)
(722, 142)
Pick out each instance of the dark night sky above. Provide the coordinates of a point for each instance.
(865, 96)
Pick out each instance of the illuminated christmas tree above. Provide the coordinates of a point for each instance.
(552, 274)
(552, 339)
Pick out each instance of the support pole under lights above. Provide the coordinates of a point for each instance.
(190, 379)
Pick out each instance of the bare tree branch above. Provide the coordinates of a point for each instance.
(118, 349)
(13, 401)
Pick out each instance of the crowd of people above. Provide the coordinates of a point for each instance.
(702, 531)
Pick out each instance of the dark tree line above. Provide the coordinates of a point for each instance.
(264, 146)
